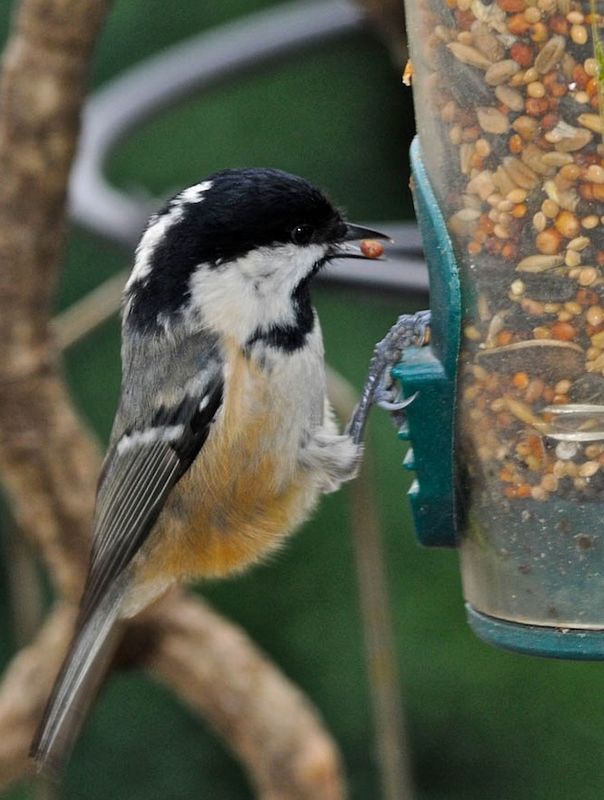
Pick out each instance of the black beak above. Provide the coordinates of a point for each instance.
(353, 234)
(356, 232)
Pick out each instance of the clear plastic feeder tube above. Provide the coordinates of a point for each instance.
(508, 103)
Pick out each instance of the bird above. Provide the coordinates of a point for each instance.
(224, 439)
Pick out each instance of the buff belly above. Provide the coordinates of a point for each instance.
(232, 527)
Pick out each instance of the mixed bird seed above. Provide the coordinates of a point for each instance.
(517, 91)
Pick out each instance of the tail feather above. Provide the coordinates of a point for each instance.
(76, 685)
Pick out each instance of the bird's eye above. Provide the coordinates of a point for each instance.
(302, 234)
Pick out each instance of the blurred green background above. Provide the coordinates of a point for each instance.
(482, 723)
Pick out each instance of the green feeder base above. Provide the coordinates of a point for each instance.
(537, 640)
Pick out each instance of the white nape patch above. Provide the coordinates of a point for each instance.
(195, 193)
(254, 291)
(159, 225)
(156, 230)
(167, 433)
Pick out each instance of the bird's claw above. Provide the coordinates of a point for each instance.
(399, 405)
(410, 330)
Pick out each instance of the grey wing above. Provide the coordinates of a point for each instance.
(141, 469)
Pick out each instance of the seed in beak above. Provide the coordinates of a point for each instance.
(372, 248)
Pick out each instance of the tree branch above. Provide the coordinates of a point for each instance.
(41, 91)
(391, 742)
(268, 723)
(50, 463)
(218, 672)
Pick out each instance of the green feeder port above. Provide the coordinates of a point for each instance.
(431, 373)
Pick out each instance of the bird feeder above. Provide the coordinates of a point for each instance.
(507, 432)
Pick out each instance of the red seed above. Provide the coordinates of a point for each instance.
(536, 106)
(580, 76)
(548, 241)
(522, 54)
(563, 331)
(504, 337)
(520, 380)
(518, 24)
(371, 248)
(512, 6)
(567, 224)
(558, 24)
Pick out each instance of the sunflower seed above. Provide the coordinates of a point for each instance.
(469, 55)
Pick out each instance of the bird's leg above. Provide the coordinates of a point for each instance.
(408, 331)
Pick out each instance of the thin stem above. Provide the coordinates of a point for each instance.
(380, 651)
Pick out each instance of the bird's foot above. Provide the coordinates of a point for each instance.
(410, 330)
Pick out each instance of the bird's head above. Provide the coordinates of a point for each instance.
(235, 254)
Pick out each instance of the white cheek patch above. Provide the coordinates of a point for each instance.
(159, 226)
(255, 291)
(222, 299)
(281, 266)
(167, 433)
